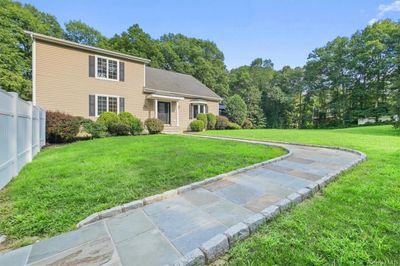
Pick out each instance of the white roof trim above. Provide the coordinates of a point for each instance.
(157, 96)
(46, 38)
(198, 101)
(150, 90)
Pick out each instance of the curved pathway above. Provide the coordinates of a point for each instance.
(211, 216)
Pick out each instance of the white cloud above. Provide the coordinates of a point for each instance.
(372, 21)
(383, 9)
(393, 7)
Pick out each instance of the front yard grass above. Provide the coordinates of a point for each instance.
(63, 185)
(354, 221)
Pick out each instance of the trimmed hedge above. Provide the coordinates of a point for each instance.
(197, 125)
(61, 127)
(96, 130)
(222, 122)
(211, 121)
(119, 129)
(107, 118)
(154, 125)
(202, 117)
(134, 123)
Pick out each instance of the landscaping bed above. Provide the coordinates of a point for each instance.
(354, 220)
(65, 184)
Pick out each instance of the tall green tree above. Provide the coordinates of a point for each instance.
(287, 92)
(236, 109)
(248, 82)
(375, 50)
(199, 58)
(77, 31)
(15, 45)
(352, 78)
(135, 41)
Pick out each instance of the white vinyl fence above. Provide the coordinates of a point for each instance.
(22, 134)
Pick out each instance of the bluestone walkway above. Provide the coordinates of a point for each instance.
(162, 232)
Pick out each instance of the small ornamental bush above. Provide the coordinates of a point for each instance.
(134, 123)
(96, 130)
(61, 127)
(137, 126)
(211, 121)
(125, 118)
(154, 125)
(119, 129)
(232, 125)
(197, 125)
(202, 117)
(107, 118)
(222, 122)
(247, 124)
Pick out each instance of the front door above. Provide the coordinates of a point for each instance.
(164, 112)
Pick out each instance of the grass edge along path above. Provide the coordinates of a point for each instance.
(355, 220)
(65, 184)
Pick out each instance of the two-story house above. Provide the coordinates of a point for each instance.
(85, 81)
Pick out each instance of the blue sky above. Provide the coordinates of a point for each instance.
(285, 31)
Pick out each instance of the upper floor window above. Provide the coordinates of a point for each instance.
(107, 68)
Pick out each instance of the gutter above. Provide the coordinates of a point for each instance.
(150, 90)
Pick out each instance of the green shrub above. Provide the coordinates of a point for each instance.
(197, 125)
(119, 129)
(236, 109)
(247, 124)
(202, 117)
(221, 123)
(61, 128)
(137, 127)
(154, 125)
(211, 121)
(232, 125)
(96, 130)
(125, 118)
(107, 118)
(134, 123)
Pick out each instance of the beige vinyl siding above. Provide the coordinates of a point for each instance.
(63, 82)
(213, 107)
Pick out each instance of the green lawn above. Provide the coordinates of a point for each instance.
(65, 184)
(354, 221)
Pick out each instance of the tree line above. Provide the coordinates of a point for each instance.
(348, 78)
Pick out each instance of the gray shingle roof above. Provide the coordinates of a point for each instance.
(163, 81)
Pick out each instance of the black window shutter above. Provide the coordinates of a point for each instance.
(121, 104)
(206, 108)
(121, 71)
(191, 111)
(91, 66)
(92, 105)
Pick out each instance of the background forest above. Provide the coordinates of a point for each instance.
(347, 79)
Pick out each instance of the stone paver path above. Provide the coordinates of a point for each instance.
(162, 232)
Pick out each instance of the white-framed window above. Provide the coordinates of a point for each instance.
(107, 68)
(199, 108)
(107, 103)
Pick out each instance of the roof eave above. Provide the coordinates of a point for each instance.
(86, 47)
(150, 90)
